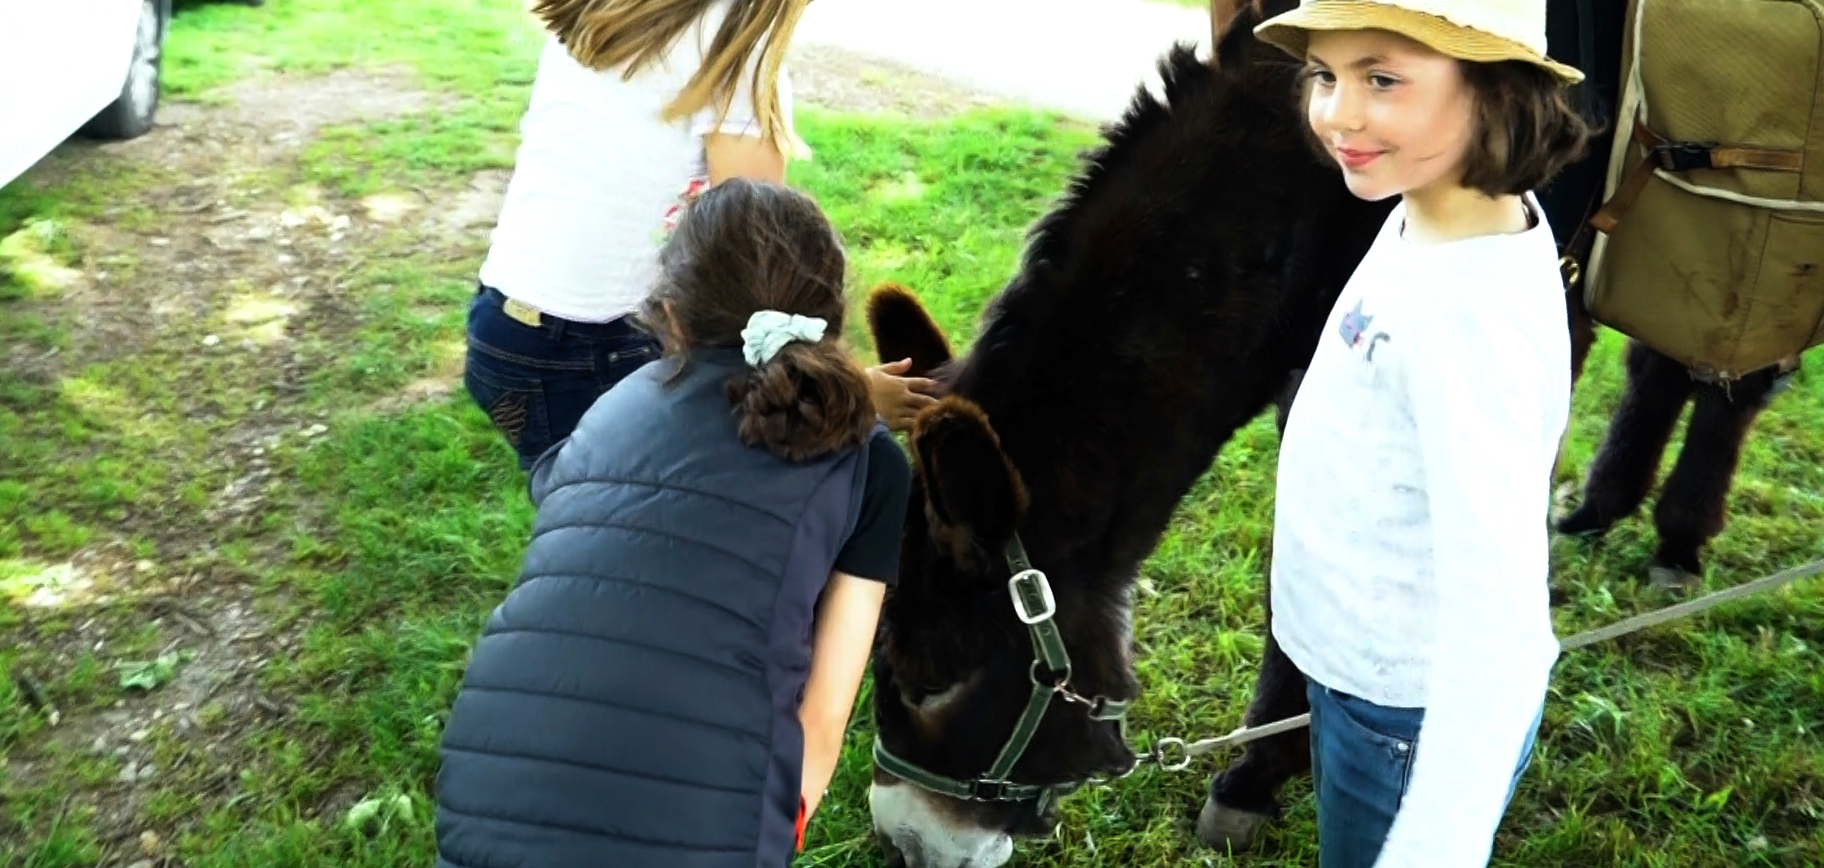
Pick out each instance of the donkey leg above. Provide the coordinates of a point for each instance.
(1690, 511)
(1583, 331)
(1626, 462)
(1583, 336)
(1244, 796)
(1283, 404)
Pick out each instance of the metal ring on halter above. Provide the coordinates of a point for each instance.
(1160, 750)
(1032, 672)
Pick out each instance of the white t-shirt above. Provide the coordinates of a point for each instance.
(597, 173)
(1410, 549)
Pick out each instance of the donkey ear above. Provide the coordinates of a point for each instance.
(903, 330)
(970, 485)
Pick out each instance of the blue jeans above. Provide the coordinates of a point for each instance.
(1361, 765)
(535, 382)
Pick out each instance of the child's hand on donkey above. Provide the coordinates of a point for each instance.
(898, 398)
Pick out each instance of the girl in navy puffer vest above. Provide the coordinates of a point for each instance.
(670, 679)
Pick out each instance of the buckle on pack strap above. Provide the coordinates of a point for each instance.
(1681, 156)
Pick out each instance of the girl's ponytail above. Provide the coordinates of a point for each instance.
(807, 401)
(757, 266)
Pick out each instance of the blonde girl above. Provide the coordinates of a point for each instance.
(638, 106)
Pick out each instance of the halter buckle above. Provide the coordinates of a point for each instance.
(1034, 585)
(988, 791)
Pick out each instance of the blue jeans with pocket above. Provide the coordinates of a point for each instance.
(535, 382)
(1361, 765)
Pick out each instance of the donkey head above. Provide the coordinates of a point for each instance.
(969, 752)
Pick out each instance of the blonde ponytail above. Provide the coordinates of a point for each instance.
(631, 34)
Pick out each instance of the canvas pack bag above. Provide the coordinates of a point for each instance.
(1711, 244)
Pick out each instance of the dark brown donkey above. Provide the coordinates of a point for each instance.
(1165, 302)
(1159, 307)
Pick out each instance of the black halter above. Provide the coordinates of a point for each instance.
(1034, 605)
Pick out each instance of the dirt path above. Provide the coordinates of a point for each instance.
(1080, 57)
(842, 80)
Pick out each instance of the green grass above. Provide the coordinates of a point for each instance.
(391, 533)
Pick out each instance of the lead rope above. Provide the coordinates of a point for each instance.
(1174, 754)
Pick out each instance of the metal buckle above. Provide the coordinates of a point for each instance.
(1681, 156)
(1044, 590)
(988, 791)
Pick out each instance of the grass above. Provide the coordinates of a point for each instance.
(393, 527)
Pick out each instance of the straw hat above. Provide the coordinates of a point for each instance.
(1477, 30)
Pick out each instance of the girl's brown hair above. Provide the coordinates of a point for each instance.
(631, 34)
(746, 246)
(1527, 128)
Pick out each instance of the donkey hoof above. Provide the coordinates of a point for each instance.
(1583, 522)
(1674, 579)
(1224, 828)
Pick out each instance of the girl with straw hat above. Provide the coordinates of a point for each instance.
(1410, 561)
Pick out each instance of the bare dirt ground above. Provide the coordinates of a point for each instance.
(845, 81)
(225, 265)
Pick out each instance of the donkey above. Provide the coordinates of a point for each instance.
(1160, 306)
(1691, 507)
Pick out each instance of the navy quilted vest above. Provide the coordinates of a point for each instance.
(633, 702)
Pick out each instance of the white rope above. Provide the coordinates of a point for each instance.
(1244, 735)
(1692, 607)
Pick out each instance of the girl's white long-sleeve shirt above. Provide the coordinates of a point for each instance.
(1410, 554)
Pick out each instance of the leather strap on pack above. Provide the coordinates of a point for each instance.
(1684, 157)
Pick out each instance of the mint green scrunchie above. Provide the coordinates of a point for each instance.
(768, 331)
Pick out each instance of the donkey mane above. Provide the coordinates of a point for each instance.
(1185, 82)
(1133, 227)
(1159, 305)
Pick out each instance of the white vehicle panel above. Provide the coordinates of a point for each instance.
(61, 62)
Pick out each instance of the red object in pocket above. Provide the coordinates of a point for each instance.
(801, 819)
